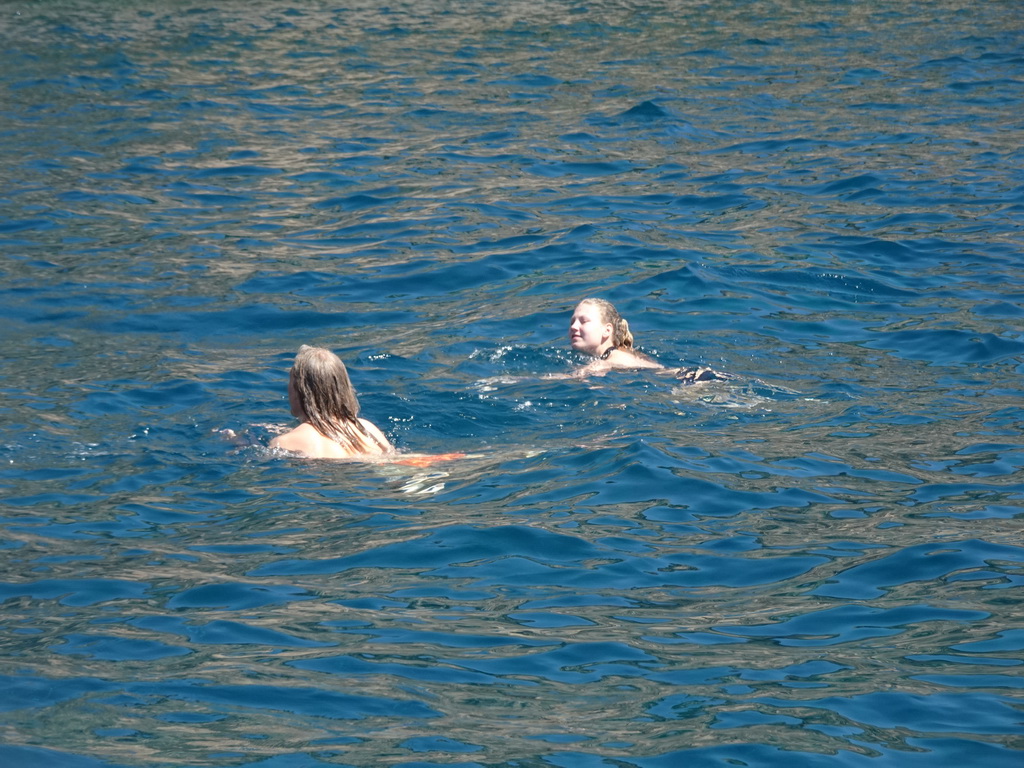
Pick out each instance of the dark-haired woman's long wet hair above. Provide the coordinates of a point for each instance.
(327, 399)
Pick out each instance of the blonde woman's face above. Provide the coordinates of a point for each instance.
(587, 332)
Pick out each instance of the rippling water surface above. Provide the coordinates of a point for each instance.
(817, 562)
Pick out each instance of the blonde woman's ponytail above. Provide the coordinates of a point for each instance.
(622, 338)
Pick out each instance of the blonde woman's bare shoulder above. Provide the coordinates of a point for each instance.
(622, 358)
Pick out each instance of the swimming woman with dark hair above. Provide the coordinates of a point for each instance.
(598, 330)
(323, 399)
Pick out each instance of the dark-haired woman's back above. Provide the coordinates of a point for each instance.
(323, 399)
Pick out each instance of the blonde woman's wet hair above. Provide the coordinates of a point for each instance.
(621, 337)
(327, 398)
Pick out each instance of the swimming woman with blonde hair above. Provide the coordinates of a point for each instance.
(323, 399)
(598, 330)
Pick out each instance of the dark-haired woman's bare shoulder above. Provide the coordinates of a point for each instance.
(378, 436)
(304, 440)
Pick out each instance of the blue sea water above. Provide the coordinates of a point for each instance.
(816, 562)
